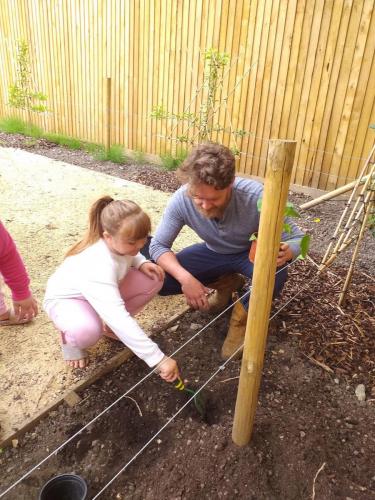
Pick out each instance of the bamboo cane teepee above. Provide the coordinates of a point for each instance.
(353, 221)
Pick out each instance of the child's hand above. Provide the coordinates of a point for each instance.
(25, 309)
(152, 270)
(168, 369)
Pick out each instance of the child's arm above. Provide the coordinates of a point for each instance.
(15, 276)
(104, 296)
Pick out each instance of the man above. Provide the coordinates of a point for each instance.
(222, 210)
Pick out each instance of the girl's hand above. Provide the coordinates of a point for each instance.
(152, 270)
(25, 309)
(168, 369)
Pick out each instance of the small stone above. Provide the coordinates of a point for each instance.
(360, 392)
(174, 328)
(336, 380)
(159, 441)
(302, 434)
(195, 326)
(15, 443)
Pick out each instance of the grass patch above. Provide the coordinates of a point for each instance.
(63, 140)
(92, 148)
(170, 162)
(138, 157)
(18, 126)
(114, 154)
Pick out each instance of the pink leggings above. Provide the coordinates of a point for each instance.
(80, 325)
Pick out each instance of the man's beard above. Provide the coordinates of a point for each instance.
(213, 213)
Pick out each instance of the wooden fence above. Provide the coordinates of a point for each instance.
(311, 79)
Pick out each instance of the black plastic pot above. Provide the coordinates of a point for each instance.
(64, 487)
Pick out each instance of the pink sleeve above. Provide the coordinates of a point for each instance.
(12, 268)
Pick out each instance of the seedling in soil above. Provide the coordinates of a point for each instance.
(199, 400)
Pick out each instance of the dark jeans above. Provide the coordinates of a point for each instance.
(207, 266)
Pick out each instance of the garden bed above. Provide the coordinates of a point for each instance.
(311, 433)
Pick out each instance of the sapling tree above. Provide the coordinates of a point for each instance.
(21, 93)
(202, 125)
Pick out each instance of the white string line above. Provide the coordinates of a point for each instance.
(283, 306)
(221, 368)
(253, 134)
(317, 173)
(302, 145)
(54, 452)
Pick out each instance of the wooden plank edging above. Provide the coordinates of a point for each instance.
(108, 366)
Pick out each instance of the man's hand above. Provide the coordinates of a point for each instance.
(285, 254)
(168, 369)
(152, 270)
(25, 309)
(195, 293)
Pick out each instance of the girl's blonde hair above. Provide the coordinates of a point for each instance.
(110, 215)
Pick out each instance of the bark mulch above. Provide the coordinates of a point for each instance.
(312, 438)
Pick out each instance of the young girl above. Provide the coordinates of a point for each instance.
(13, 271)
(104, 278)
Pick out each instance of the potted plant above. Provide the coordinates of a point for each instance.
(289, 211)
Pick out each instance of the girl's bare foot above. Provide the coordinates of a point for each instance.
(9, 318)
(74, 356)
(78, 363)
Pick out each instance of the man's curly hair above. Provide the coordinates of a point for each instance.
(209, 163)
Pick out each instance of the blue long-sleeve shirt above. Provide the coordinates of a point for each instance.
(225, 236)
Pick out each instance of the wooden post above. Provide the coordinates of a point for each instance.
(279, 169)
(108, 134)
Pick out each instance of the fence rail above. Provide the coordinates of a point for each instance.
(311, 79)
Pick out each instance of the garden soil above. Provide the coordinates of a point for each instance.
(44, 204)
(312, 437)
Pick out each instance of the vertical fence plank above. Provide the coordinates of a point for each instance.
(340, 93)
(348, 113)
(340, 25)
(275, 56)
(319, 45)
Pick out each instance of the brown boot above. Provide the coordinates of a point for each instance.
(236, 332)
(224, 287)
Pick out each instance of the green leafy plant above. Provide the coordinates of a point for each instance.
(289, 211)
(172, 162)
(21, 93)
